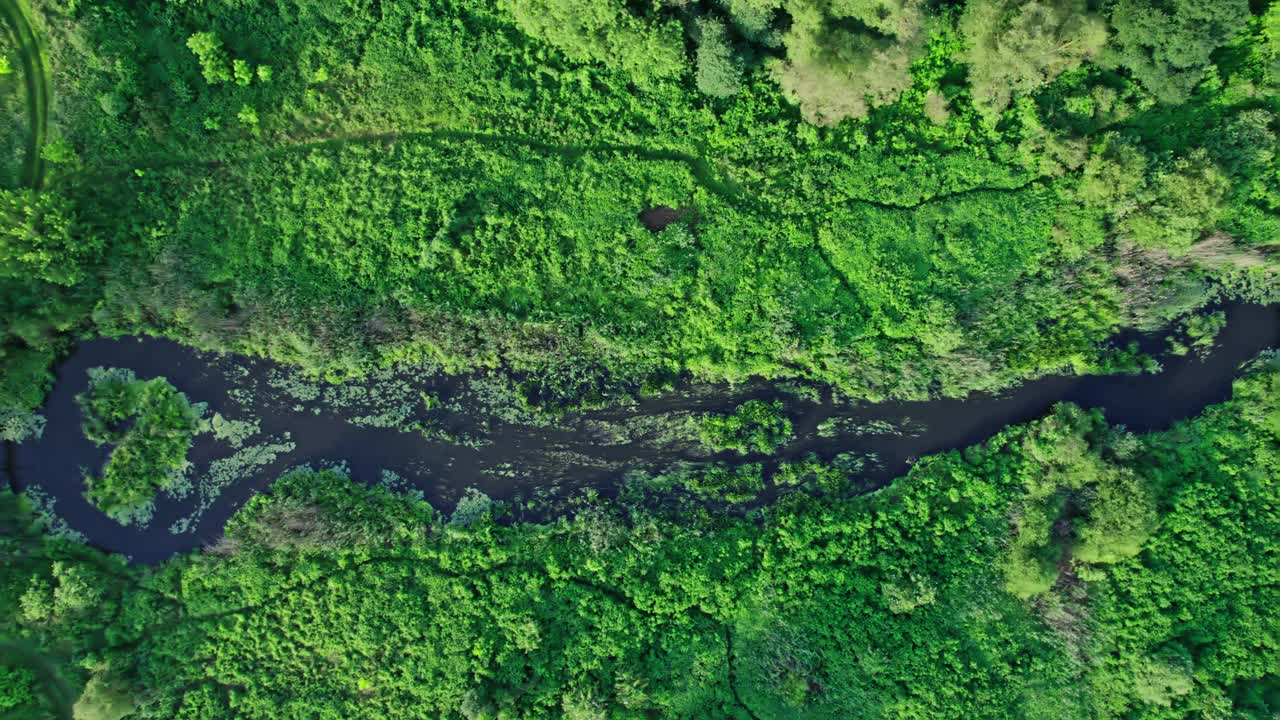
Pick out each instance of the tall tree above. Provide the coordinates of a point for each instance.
(754, 18)
(845, 57)
(1166, 44)
(718, 72)
(1015, 46)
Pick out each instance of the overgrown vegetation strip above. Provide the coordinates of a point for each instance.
(17, 16)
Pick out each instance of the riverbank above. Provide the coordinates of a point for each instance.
(438, 435)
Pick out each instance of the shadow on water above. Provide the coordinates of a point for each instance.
(523, 461)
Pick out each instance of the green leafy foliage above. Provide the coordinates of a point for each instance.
(17, 688)
(1177, 205)
(718, 72)
(150, 425)
(893, 197)
(215, 64)
(756, 426)
(602, 31)
(833, 72)
(461, 181)
(18, 425)
(58, 598)
(1121, 517)
(1167, 45)
(41, 239)
(739, 483)
(1014, 47)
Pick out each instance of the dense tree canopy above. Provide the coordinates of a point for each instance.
(1016, 47)
(1167, 45)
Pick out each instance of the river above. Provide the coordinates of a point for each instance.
(509, 458)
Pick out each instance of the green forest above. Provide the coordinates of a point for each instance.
(587, 202)
(894, 197)
(1062, 569)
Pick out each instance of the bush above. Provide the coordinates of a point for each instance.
(17, 688)
(151, 426)
(104, 699)
(730, 484)
(19, 425)
(42, 238)
(756, 426)
(215, 63)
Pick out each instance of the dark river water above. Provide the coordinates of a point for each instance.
(511, 457)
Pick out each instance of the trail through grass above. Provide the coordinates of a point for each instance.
(17, 16)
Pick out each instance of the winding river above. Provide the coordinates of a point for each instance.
(288, 423)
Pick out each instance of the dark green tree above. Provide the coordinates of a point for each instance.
(718, 73)
(1166, 44)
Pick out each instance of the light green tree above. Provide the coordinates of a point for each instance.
(718, 73)
(833, 71)
(1015, 46)
(215, 64)
(603, 31)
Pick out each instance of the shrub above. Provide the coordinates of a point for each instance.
(151, 425)
(41, 237)
(473, 507)
(17, 688)
(215, 64)
(756, 426)
(730, 484)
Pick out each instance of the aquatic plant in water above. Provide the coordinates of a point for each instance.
(151, 426)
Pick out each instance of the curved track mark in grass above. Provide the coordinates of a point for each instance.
(733, 674)
(35, 73)
(699, 167)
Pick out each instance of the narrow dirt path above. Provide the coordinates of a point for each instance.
(700, 167)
